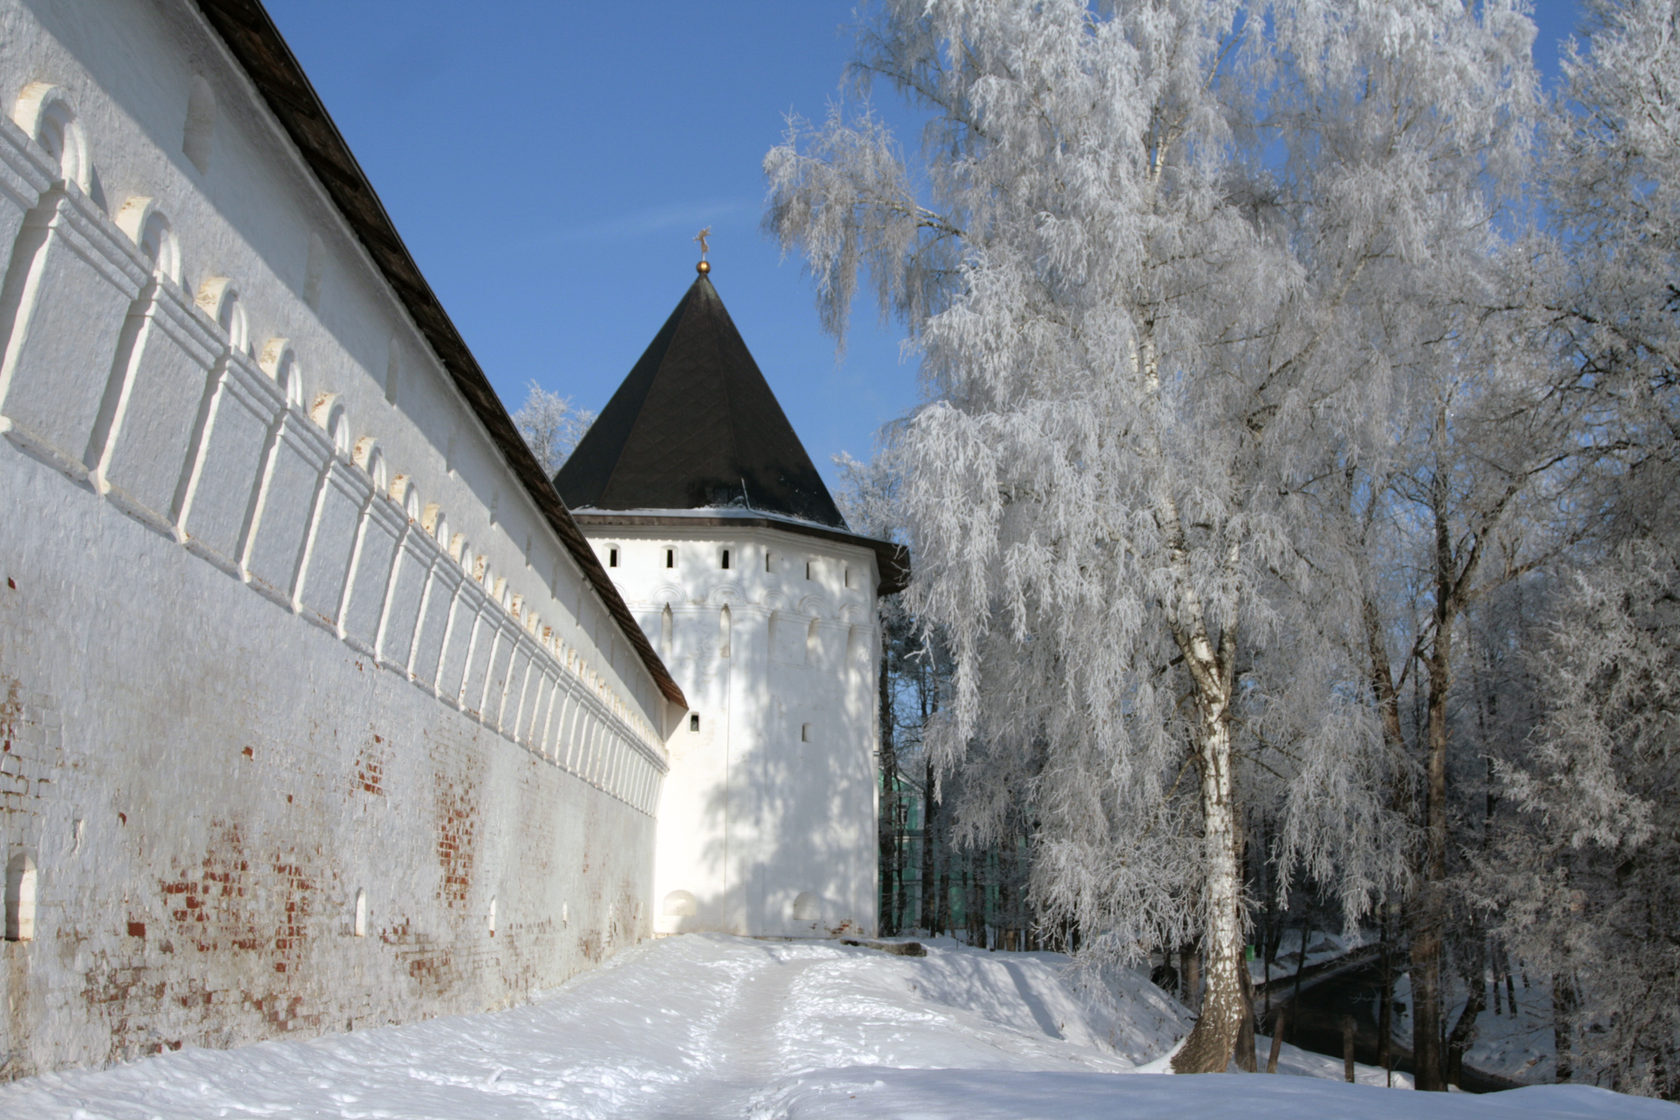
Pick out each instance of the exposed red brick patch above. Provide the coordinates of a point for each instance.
(248, 753)
(369, 776)
(456, 818)
(137, 929)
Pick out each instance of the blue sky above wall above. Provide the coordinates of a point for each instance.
(548, 165)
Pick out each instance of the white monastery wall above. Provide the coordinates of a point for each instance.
(308, 718)
(767, 821)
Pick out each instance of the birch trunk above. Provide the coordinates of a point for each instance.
(1429, 912)
(1213, 1041)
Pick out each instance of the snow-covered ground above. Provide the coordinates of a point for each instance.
(704, 1026)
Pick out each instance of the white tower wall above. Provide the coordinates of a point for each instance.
(767, 819)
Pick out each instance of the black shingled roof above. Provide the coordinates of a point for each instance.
(695, 426)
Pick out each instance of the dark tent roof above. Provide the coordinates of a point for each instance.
(695, 426)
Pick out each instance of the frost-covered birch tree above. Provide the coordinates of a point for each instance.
(551, 425)
(1145, 335)
(1589, 888)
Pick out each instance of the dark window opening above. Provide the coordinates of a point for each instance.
(694, 721)
(726, 559)
(670, 557)
(612, 557)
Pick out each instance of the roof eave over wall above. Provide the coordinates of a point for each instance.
(893, 560)
(256, 44)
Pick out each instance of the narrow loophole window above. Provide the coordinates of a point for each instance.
(359, 925)
(197, 138)
(612, 557)
(726, 559)
(807, 569)
(804, 733)
(20, 898)
(393, 370)
(670, 557)
(767, 561)
(848, 571)
(694, 721)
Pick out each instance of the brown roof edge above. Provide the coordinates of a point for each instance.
(256, 43)
(892, 559)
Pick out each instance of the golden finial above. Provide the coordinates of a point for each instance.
(702, 268)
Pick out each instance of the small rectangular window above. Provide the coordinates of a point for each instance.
(726, 559)
(804, 733)
(670, 557)
(694, 721)
(767, 561)
(807, 569)
(612, 557)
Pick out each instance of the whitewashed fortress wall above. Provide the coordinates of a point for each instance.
(310, 717)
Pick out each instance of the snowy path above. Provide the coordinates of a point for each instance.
(702, 1027)
(737, 1047)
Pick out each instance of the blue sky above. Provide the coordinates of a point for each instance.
(548, 165)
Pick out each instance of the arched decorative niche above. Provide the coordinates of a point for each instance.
(490, 917)
(152, 234)
(406, 494)
(666, 628)
(328, 414)
(480, 568)
(20, 898)
(433, 521)
(460, 550)
(280, 362)
(46, 115)
(725, 631)
(219, 299)
(807, 907)
(679, 904)
(812, 642)
(358, 926)
(371, 459)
